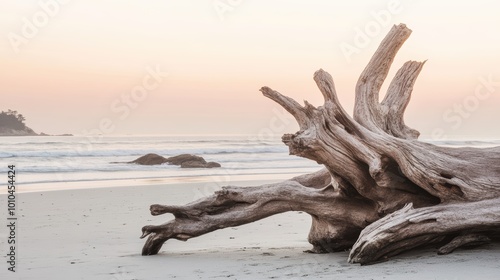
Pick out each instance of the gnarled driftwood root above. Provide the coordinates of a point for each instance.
(381, 192)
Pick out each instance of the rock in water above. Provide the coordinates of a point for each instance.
(193, 164)
(180, 159)
(199, 164)
(150, 159)
(184, 160)
(212, 164)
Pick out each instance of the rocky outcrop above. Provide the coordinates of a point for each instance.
(25, 132)
(199, 164)
(213, 164)
(193, 164)
(150, 159)
(184, 160)
(4, 131)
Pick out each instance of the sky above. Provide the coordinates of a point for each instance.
(195, 67)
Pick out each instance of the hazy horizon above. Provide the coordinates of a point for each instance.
(176, 67)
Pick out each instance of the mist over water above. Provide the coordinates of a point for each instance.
(72, 159)
(69, 159)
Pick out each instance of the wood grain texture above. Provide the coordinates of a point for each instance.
(381, 192)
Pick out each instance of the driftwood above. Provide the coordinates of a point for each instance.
(381, 191)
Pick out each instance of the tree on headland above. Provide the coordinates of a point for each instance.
(21, 118)
(381, 191)
(12, 120)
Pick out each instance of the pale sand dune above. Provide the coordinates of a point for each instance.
(94, 234)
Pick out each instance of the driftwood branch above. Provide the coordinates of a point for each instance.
(408, 228)
(234, 206)
(367, 109)
(382, 191)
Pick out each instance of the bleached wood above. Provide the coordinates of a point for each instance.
(367, 107)
(379, 182)
(397, 98)
(233, 206)
(409, 228)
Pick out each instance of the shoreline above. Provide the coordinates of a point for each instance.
(93, 233)
(208, 180)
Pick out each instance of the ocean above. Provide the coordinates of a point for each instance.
(45, 160)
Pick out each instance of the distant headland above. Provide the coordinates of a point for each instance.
(12, 124)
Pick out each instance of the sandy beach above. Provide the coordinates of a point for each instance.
(378, 117)
(94, 234)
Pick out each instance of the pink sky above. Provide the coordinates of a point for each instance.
(70, 75)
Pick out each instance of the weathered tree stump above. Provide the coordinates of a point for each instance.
(381, 192)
